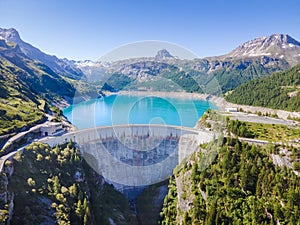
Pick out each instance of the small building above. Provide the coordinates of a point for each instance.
(231, 109)
(51, 129)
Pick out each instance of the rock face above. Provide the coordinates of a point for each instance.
(277, 46)
(10, 35)
(6, 196)
(163, 54)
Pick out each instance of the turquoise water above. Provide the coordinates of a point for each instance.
(123, 109)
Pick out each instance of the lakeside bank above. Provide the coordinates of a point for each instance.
(217, 101)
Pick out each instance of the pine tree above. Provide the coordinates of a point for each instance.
(56, 185)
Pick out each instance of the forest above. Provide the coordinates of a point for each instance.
(241, 185)
(278, 91)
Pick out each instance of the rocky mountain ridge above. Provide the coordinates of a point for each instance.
(276, 46)
(60, 66)
(256, 58)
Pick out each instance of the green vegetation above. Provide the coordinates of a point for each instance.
(279, 91)
(19, 106)
(183, 79)
(223, 75)
(268, 132)
(25, 87)
(85, 89)
(50, 183)
(240, 129)
(239, 71)
(116, 82)
(17, 114)
(240, 186)
(56, 186)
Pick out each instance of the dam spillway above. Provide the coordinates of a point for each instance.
(134, 155)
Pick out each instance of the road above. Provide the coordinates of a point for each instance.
(22, 134)
(16, 138)
(247, 117)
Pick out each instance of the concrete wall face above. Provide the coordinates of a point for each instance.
(135, 155)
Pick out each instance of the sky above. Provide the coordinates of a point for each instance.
(91, 29)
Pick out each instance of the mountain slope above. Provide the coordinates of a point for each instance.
(257, 58)
(231, 72)
(56, 186)
(239, 185)
(60, 66)
(19, 106)
(279, 91)
(277, 45)
(25, 85)
(36, 75)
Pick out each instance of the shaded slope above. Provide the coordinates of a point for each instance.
(61, 66)
(279, 91)
(25, 85)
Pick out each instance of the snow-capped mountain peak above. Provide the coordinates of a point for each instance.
(276, 45)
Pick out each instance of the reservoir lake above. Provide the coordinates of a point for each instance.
(128, 109)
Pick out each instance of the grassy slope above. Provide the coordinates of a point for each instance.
(19, 106)
(25, 85)
(273, 132)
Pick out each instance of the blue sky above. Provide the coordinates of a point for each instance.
(81, 29)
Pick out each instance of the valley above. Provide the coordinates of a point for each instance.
(240, 167)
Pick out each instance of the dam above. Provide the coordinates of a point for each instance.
(134, 155)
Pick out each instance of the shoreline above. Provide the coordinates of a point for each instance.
(219, 102)
(171, 94)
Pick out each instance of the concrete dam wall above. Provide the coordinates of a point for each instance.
(134, 155)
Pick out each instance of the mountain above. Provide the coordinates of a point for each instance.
(174, 74)
(61, 66)
(278, 91)
(35, 75)
(260, 57)
(257, 58)
(280, 46)
(19, 105)
(26, 88)
(163, 54)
